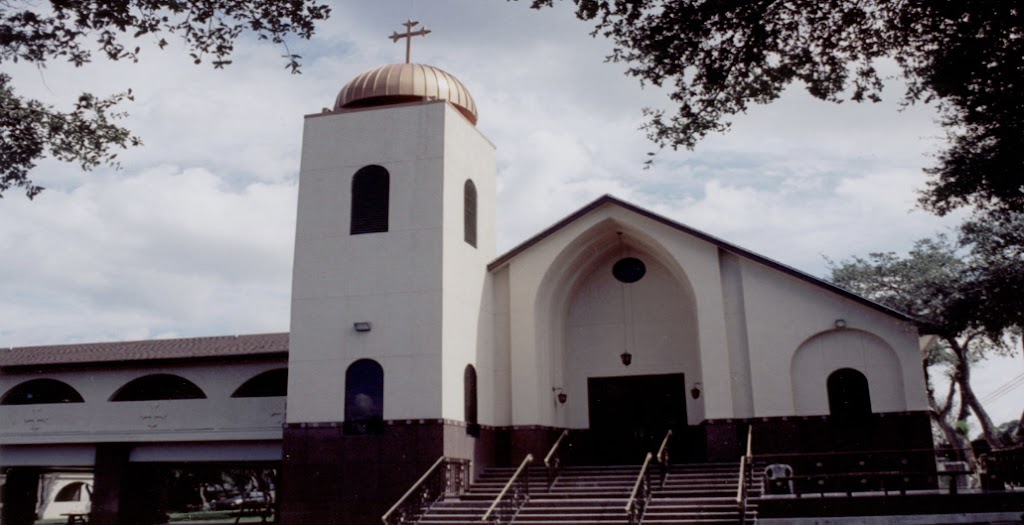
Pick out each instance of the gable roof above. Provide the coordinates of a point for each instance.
(193, 348)
(721, 244)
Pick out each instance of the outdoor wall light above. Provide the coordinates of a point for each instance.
(840, 323)
(627, 358)
(695, 391)
(562, 396)
(362, 326)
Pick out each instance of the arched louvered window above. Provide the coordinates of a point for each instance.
(364, 398)
(41, 392)
(469, 212)
(848, 394)
(469, 397)
(272, 383)
(371, 187)
(155, 387)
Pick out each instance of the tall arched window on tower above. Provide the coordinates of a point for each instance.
(469, 212)
(371, 187)
(848, 395)
(469, 398)
(364, 398)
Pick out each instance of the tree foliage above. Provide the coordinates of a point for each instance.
(74, 30)
(995, 243)
(937, 284)
(717, 57)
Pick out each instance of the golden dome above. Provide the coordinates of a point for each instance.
(398, 83)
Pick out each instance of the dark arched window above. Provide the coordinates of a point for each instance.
(41, 391)
(370, 193)
(364, 398)
(848, 394)
(272, 383)
(158, 387)
(469, 212)
(469, 398)
(72, 492)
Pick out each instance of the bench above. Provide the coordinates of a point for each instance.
(75, 518)
(252, 510)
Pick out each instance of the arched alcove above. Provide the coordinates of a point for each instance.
(364, 397)
(825, 353)
(849, 395)
(41, 391)
(155, 387)
(469, 397)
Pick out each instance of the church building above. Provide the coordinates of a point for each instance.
(412, 339)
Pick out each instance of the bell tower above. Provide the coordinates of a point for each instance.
(394, 232)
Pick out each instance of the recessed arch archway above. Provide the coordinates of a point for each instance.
(586, 316)
(822, 354)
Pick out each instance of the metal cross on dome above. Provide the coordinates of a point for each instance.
(409, 33)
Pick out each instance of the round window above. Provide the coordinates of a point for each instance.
(629, 270)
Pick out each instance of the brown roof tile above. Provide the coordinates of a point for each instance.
(155, 349)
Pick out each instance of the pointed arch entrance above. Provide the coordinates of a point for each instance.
(622, 298)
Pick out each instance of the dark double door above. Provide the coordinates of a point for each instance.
(630, 415)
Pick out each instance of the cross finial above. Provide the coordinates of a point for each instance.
(409, 33)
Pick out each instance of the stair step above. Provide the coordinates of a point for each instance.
(596, 494)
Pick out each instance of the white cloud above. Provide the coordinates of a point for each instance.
(137, 255)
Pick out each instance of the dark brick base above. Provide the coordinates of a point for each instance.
(329, 477)
(915, 504)
(726, 438)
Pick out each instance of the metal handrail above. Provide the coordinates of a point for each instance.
(745, 476)
(740, 485)
(664, 447)
(664, 457)
(412, 489)
(511, 481)
(552, 462)
(642, 480)
(551, 453)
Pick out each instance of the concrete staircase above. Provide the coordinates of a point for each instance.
(694, 493)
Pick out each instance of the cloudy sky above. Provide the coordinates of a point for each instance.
(194, 235)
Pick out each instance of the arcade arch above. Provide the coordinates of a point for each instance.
(41, 391)
(154, 387)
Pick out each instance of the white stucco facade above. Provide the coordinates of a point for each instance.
(755, 338)
(760, 339)
(419, 284)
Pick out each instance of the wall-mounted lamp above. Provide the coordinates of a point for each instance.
(362, 326)
(695, 391)
(562, 396)
(840, 323)
(627, 358)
